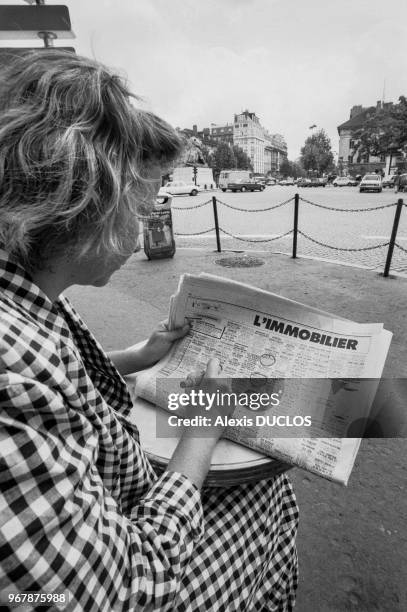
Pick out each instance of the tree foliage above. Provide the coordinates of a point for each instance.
(243, 161)
(384, 131)
(225, 156)
(316, 154)
(291, 168)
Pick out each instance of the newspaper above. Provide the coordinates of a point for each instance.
(260, 336)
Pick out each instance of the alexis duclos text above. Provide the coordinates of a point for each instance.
(252, 401)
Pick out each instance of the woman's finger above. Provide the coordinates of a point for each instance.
(213, 368)
(193, 379)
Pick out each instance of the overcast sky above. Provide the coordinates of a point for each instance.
(294, 63)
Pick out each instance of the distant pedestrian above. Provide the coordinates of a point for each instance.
(397, 182)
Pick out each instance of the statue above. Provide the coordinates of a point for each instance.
(193, 154)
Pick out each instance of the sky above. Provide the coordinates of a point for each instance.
(295, 63)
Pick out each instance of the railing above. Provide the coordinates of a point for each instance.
(391, 243)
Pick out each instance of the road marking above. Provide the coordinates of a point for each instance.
(383, 237)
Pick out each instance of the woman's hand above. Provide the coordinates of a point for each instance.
(193, 454)
(210, 383)
(160, 342)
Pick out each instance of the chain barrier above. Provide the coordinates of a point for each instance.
(255, 209)
(329, 246)
(254, 241)
(196, 233)
(400, 247)
(348, 209)
(295, 231)
(191, 207)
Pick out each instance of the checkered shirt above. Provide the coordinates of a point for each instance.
(81, 509)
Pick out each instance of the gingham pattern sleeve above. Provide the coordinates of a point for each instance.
(62, 529)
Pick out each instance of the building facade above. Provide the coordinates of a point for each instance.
(350, 160)
(221, 133)
(266, 151)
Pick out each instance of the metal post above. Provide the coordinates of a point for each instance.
(215, 215)
(393, 237)
(48, 38)
(295, 232)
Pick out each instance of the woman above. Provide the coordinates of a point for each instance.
(82, 511)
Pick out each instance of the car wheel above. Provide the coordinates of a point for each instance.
(223, 190)
(242, 189)
(263, 188)
(361, 190)
(335, 185)
(194, 192)
(380, 190)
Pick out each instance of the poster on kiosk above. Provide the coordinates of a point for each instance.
(158, 234)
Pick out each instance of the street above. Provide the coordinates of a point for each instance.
(348, 230)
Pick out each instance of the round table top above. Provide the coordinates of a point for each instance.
(232, 463)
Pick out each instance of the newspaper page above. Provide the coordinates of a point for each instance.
(266, 339)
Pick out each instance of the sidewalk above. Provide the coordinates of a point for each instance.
(352, 541)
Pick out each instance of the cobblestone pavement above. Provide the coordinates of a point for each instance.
(367, 222)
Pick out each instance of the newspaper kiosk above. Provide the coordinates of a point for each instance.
(158, 236)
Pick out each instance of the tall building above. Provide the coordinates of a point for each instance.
(275, 153)
(248, 134)
(266, 151)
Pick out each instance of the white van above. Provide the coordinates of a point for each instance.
(233, 176)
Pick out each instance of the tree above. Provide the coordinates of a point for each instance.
(384, 132)
(243, 161)
(316, 154)
(285, 167)
(291, 168)
(224, 157)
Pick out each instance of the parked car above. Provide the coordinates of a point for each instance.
(246, 186)
(314, 182)
(287, 181)
(271, 181)
(344, 181)
(371, 182)
(303, 182)
(179, 188)
(388, 181)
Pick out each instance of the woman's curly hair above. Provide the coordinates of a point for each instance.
(74, 156)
